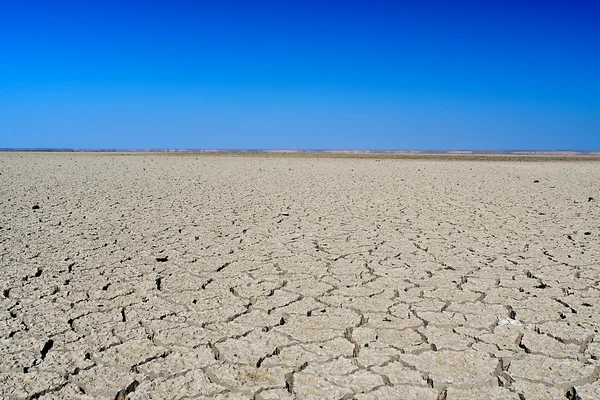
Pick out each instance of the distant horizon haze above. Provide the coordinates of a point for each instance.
(309, 151)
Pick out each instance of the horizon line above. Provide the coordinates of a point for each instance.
(332, 151)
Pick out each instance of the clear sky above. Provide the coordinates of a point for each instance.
(300, 75)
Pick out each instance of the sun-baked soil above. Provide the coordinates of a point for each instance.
(229, 277)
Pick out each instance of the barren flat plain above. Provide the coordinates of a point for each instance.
(199, 276)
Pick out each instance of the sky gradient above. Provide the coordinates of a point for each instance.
(371, 75)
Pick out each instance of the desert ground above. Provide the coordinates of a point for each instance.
(200, 276)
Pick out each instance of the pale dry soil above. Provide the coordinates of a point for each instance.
(221, 277)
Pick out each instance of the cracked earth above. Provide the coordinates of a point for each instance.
(149, 276)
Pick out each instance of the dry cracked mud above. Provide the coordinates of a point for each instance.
(151, 276)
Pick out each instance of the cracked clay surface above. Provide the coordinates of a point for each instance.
(148, 276)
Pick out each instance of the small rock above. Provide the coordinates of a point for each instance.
(536, 181)
(587, 233)
(162, 259)
(35, 207)
(590, 199)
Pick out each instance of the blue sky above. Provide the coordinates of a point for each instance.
(303, 75)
